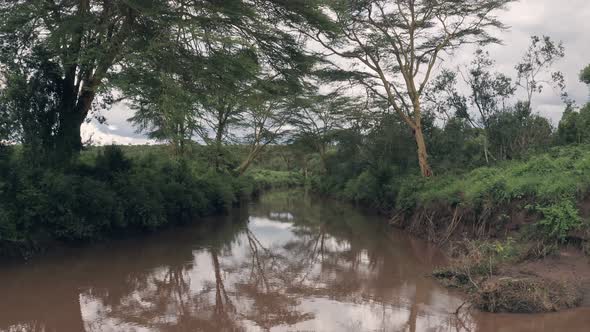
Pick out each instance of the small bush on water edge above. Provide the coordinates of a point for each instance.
(526, 295)
(268, 179)
(480, 268)
(559, 219)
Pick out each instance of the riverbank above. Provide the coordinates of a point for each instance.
(498, 276)
(106, 192)
(518, 232)
(115, 191)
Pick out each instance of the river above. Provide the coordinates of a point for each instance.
(288, 262)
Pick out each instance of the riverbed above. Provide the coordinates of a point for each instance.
(287, 262)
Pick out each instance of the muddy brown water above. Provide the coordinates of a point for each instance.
(290, 262)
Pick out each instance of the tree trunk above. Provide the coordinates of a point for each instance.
(485, 148)
(254, 152)
(68, 137)
(219, 144)
(72, 114)
(323, 158)
(245, 165)
(422, 154)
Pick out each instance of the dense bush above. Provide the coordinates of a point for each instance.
(268, 179)
(550, 184)
(559, 220)
(107, 192)
(560, 174)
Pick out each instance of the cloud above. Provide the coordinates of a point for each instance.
(116, 129)
(98, 134)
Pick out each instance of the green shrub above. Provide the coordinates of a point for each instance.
(407, 197)
(218, 189)
(143, 200)
(78, 208)
(363, 188)
(244, 186)
(107, 192)
(559, 220)
(268, 179)
(7, 226)
(111, 161)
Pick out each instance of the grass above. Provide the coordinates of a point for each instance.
(561, 174)
(547, 187)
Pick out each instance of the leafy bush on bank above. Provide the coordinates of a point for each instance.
(107, 193)
(269, 179)
(552, 183)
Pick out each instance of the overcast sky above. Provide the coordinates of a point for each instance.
(568, 21)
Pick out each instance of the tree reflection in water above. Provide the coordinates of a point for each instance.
(286, 263)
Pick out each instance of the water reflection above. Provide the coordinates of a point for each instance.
(287, 263)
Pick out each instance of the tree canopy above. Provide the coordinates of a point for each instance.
(85, 49)
(585, 75)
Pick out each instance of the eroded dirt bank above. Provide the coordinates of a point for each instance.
(498, 260)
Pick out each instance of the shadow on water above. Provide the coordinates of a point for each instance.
(289, 262)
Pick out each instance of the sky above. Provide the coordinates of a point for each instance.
(566, 21)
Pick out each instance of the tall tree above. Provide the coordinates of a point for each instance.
(585, 75)
(28, 104)
(574, 126)
(537, 61)
(165, 113)
(488, 95)
(392, 47)
(269, 110)
(318, 118)
(198, 98)
(221, 89)
(89, 43)
(517, 132)
(82, 41)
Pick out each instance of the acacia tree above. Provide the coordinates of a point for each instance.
(393, 47)
(91, 43)
(165, 114)
(488, 95)
(268, 111)
(202, 99)
(81, 41)
(318, 118)
(222, 88)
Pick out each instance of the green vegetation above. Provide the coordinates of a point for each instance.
(188, 69)
(107, 193)
(267, 179)
(549, 184)
(114, 190)
(547, 178)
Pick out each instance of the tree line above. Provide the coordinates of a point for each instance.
(264, 72)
